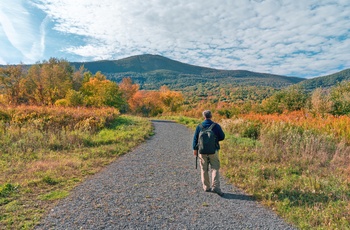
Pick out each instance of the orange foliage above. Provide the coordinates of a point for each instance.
(146, 103)
(336, 126)
(172, 100)
(127, 88)
(152, 103)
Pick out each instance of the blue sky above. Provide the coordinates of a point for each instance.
(304, 38)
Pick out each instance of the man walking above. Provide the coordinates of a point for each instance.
(209, 157)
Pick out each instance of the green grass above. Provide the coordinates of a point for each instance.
(189, 122)
(53, 195)
(39, 167)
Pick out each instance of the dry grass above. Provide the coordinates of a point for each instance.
(45, 152)
(298, 170)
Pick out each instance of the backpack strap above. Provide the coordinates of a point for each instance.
(211, 126)
(201, 126)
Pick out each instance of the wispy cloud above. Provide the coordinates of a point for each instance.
(41, 46)
(295, 37)
(16, 23)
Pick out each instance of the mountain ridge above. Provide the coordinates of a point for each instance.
(326, 81)
(141, 64)
(152, 71)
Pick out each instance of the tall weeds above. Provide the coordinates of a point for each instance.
(300, 171)
(44, 152)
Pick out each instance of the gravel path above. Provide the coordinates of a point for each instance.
(156, 186)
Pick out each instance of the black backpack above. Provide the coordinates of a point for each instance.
(207, 140)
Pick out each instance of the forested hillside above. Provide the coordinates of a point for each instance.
(153, 71)
(326, 81)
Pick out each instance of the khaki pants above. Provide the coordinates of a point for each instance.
(213, 161)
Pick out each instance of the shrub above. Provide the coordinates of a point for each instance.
(7, 189)
(62, 103)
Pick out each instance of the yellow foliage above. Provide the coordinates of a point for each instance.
(62, 103)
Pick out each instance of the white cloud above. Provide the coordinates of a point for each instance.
(281, 37)
(18, 28)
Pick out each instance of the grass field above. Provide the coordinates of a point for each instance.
(45, 152)
(298, 168)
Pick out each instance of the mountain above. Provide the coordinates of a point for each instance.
(326, 81)
(142, 64)
(153, 71)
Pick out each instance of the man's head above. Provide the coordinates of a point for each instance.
(207, 114)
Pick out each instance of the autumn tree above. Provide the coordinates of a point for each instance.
(48, 81)
(290, 99)
(99, 92)
(153, 103)
(273, 104)
(340, 96)
(74, 98)
(33, 88)
(172, 100)
(10, 83)
(78, 78)
(295, 98)
(146, 103)
(321, 102)
(128, 90)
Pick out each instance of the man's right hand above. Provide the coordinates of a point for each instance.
(195, 152)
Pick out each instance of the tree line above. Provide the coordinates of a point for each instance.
(229, 101)
(56, 83)
(321, 101)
